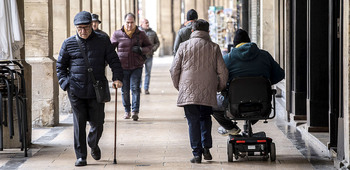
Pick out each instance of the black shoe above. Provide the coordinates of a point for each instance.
(146, 92)
(80, 162)
(206, 154)
(96, 153)
(196, 159)
(135, 116)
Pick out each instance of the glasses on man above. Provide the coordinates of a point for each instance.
(85, 28)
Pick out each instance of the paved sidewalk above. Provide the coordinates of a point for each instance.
(159, 140)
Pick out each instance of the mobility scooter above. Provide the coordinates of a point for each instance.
(250, 100)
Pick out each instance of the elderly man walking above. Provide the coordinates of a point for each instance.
(153, 38)
(198, 71)
(74, 77)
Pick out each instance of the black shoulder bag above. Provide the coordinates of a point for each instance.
(101, 86)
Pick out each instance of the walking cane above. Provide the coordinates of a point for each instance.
(115, 127)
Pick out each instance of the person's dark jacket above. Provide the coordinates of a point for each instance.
(101, 32)
(124, 44)
(249, 60)
(71, 68)
(153, 39)
(183, 35)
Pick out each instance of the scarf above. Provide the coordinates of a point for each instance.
(130, 33)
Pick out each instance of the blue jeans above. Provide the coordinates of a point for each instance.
(199, 123)
(131, 82)
(148, 68)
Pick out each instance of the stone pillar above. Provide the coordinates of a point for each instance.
(125, 6)
(254, 19)
(200, 6)
(346, 80)
(38, 50)
(266, 25)
(165, 28)
(74, 8)
(96, 7)
(130, 7)
(342, 159)
(299, 55)
(245, 15)
(317, 65)
(177, 15)
(189, 4)
(14, 142)
(113, 19)
(202, 9)
(105, 16)
(119, 14)
(61, 27)
(150, 12)
(86, 5)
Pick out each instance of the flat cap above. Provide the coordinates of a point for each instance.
(82, 18)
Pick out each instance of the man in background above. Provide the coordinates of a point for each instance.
(95, 23)
(185, 32)
(153, 38)
(132, 44)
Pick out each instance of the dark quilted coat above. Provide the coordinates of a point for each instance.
(198, 71)
(124, 43)
(71, 68)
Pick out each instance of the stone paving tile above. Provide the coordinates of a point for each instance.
(4, 158)
(159, 140)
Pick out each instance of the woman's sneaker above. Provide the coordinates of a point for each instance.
(127, 115)
(224, 132)
(196, 159)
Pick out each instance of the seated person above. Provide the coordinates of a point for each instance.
(246, 60)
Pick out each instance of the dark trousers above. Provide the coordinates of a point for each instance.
(221, 119)
(86, 110)
(199, 123)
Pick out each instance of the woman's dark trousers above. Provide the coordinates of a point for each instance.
(199, 123)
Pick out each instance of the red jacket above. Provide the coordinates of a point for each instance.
(124, 43)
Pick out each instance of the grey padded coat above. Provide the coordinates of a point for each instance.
(198, 71)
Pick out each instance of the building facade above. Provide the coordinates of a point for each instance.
(308, 38)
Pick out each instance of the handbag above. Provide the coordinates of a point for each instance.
(101, 87)
(102, 91)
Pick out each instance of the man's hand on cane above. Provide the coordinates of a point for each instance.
(117, 84)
